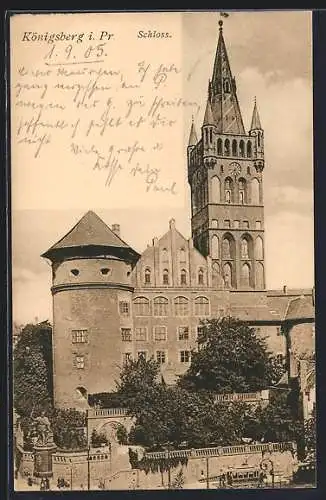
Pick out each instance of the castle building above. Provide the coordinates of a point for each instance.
(111, 304)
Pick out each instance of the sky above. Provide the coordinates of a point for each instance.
(270, 57)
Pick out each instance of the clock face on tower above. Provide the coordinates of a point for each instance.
(235, 169)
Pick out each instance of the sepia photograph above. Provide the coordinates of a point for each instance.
(163, 298)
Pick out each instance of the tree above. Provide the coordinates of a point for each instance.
(69, 428)
(32, 366)
(231, 358)
(98, 439)
(122, 434)
(274, 422)
(310, 435)
(136, 376)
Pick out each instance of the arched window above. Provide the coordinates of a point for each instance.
(249, 149)
(242, 191)
(160, 306)
(201, 306)
(141, 306)
(245, 275)
(215, 247)
(81, 392)
(181, 306)
(219, 147)
(183, 277)
(244, 249)
(228, 190)
(226, 248)
(165, 277)
(259, 275)
(259, 248)
(227, 147)
(248, 170)
(165, 255)
(258, 139)
(201, 276)
(227, 274)
(241, 148)
(234, 148)
(182, 255)
(147, 276)
(216, 189)
(255, 198)
(215, 274)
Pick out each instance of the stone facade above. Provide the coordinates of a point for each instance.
(110, 303)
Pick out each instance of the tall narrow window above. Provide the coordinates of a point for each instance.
(165, 255)
(182, 255)
(147, 276)
(226, 248)
(242, 191)
(259, 248)
(215, 247)
(255, 198)
(234, 148)
(241, 148)
(249, 149)
(244, 249)
(216, 188)
(165, 277)
(210, 135)
(219, 147)
(245, 275)
(260, 275)
(201, 276)
(183, 277)
(228, 190)
(227, 147)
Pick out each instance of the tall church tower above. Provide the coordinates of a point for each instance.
(225, 173)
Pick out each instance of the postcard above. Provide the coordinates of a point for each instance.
(162, 250)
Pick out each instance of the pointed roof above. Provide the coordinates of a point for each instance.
(224, 101)
(92, 233)
(255, 121)
(193, 136)
(208, 118)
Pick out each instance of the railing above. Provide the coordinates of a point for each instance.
(107, 412)
(239, 396)
(221, 450)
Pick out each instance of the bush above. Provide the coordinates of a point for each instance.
(122, 434)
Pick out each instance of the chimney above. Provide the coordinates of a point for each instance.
(116, 229)
(285, 289)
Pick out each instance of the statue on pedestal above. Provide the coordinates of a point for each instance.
(41, 429)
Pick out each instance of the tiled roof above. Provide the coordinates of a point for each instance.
(258, 313)
(89, 231)
(300, 308)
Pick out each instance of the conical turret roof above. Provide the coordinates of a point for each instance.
(90, 234)
(208, 118)
(255, 121)
(192, 136)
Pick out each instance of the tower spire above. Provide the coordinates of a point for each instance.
(193, 135)
(224, 101)
(255, 121)
(208, 118)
